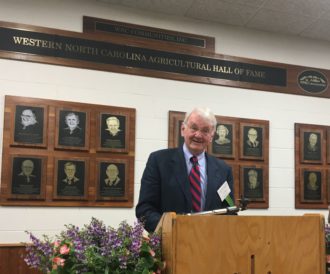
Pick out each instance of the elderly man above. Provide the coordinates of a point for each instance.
(26, 176)
(222, 132)
(70, 171)
(113, 125)
(253, 179)
(312, 145)
(252, 138)
(185, 179)
(28, 118)
(72, 122)
(112, 173)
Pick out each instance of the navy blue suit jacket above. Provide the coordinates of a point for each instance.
(165, 186)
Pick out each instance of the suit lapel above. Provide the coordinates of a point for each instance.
(213, 178)
(180, 173)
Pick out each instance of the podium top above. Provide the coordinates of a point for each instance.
(238, 244)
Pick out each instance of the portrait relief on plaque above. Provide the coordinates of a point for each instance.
(29, 125)
(253, 183)
(71, 178)
(112, 179)
(67, 154)
(312, 149)
(113, 132)
(223, 141)
(27, 176)
(252, 141)
(311, 185)
(72, 128)
(311, 166)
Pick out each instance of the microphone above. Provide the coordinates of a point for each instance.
(243, 202)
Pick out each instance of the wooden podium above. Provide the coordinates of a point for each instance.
(219, 244)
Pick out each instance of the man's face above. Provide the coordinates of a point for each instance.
(112, 172)
(252, 135)
(27, 118)
(113, 126)
(27, 167)
(221, 131)
(71, 121)
(313, 139)
(70, 171)
(312, 178)
(253, 181)
(197, 134)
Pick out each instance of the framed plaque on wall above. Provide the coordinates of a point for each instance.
(63, 153)
(29, 124)
(27, 177)
(71, 175)
(113, 175)
(113, 132)
(311, 166)
(224, 140)
(243, 144)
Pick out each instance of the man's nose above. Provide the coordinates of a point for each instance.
(198, 133)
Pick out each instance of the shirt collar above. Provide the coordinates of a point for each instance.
(188, 155)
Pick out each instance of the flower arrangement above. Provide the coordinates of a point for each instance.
(327, 235)
(97, 249)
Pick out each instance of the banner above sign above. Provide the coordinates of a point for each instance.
(142, 33)
(92, 51)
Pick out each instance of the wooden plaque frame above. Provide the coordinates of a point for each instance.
(319, 165)
(257, 200)
(234, 159)
(105, 140)
(306, 134)
(142, 58)
(328, 145)
(38, 174)
(144, 34)
(320, 185)
(175, 120)
(51, 152)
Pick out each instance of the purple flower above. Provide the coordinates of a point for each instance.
(96, 249)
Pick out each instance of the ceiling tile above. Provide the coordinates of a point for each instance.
(318, 30)
(307, 18)
(221, 11)
(160, 6)
(279, 22)
(304, 7)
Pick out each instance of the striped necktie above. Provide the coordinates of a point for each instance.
(195, 184)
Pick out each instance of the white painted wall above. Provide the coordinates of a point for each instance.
(153, 98)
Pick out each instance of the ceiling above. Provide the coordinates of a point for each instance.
(305, 18)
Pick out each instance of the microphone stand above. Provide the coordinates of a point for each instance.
(231, 210)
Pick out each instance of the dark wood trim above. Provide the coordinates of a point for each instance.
(321, 165)
(234, 160)
(138, 58)
(149, 35)
(48, 195)
(11, 260)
